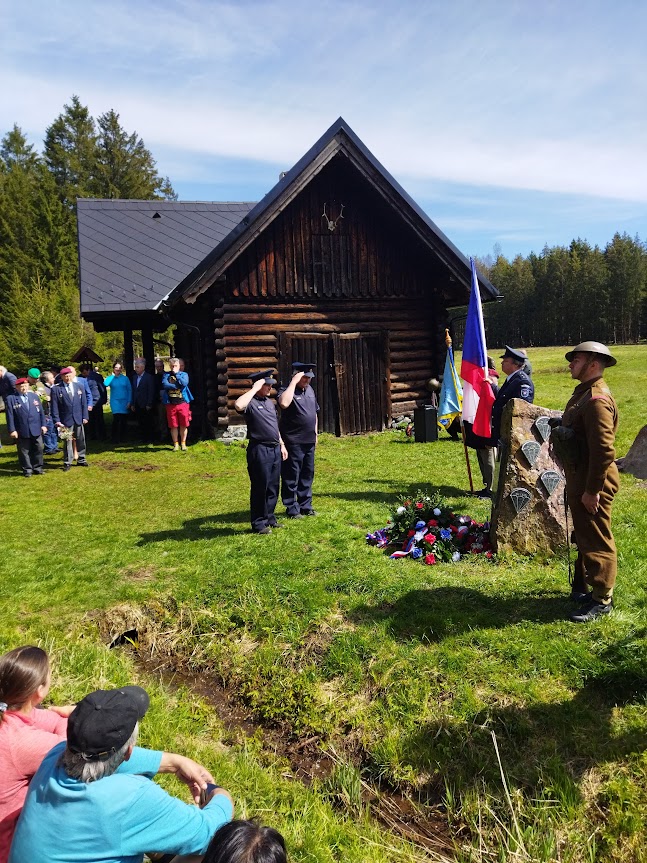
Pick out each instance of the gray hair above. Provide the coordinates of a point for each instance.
(77, 767)
(140, 361)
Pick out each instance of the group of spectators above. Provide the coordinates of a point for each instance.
(74, 785)
(45, 409)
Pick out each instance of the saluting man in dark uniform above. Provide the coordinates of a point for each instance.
(298, 425)
(264, 451)
(592, 479)
(518, 385)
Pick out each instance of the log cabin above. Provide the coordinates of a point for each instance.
(336, 265)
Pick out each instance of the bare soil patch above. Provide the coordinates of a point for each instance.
(309, 758)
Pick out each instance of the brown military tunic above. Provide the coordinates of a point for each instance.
(593, 415)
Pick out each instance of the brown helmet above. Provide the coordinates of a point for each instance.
(593, 348)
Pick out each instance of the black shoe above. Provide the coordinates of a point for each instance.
(51, 452)
(82, 464)
(25, 474)
(581, 596)
(296, 515)
(263, 530)
(39, 472)
(67, 466)
(591, 612)
(308, 512)
(484, 493)
(276, 524)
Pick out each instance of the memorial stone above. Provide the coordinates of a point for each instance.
(528, 507)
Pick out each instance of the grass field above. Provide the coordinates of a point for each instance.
(370, 709)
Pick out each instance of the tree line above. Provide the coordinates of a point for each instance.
(560, 296)
(39, 296)
(564, 296)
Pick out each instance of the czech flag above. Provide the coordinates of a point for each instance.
(478, 397)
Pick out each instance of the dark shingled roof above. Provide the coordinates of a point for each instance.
(133, 253)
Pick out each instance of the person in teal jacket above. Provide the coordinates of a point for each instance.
(92, 799)
(121, 396)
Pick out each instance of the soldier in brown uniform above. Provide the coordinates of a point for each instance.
(592, 479)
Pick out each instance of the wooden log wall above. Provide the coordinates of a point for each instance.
(252, 342)
(370, 252)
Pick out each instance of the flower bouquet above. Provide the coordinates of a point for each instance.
(425, 529)
(65, 433)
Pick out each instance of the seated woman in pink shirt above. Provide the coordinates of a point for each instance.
(26, 733)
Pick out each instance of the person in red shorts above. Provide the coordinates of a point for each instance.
(176, 396)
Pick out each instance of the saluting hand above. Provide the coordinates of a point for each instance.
(258, 385)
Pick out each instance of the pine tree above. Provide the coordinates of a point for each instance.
(71, 152)
(124, 167)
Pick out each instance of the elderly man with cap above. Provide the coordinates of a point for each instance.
(585, 446)
(264, 451)
(93, 800)
(298, 427)
(517, 385)
(26, 424)
(70, 410)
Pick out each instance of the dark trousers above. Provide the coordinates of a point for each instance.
(297, 474)
(30, 454)
(50, 438)
(96, 427)
(145, 419)
(68, 446)
(264, 469)
(119, 427)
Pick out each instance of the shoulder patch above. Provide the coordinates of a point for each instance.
(525, 391)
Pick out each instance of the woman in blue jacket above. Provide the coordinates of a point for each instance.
(121, 395)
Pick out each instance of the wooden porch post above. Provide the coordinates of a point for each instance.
(128, 352)
(148, 348)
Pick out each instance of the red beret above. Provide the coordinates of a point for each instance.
(68, 370)
(22, 381)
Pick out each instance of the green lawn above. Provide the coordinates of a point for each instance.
(359, 702)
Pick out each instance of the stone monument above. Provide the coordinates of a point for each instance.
(528, 507)
(635, 462)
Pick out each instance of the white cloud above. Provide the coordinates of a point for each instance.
(500, 94)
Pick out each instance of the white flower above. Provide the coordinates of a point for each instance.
(400, 510)
(436, 511)
(456, 556)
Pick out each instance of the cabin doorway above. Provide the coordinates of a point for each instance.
(351, 380)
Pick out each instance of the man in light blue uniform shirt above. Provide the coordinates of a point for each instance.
(93, 801)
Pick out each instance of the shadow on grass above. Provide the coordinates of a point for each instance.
(548, 747)
(394, 490)
(445, 611)
(199, 528)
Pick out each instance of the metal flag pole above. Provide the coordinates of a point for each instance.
(448, 344)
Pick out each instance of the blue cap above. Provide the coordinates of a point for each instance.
(306, 369)
(267, 374)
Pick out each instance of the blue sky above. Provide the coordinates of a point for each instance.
(510, 122)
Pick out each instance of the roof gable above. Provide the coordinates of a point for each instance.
(339, 138)
(134, 253)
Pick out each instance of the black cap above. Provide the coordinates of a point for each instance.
(517, 356)
(267, 374)
(307, 369)
(103, 721)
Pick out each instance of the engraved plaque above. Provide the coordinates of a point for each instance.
(541, 424)
(550, 480)
(520, 498)
(531, 451)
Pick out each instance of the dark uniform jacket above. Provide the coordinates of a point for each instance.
(299, 419)
(7, 385)
(262, 421)
(593, 415)
(516, 386)
(66, 410)
(27, 419)
(144, 392)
